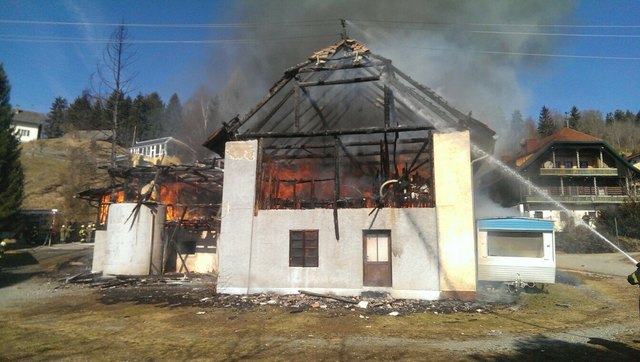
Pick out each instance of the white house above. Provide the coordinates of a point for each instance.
(28, 125)
(165, 149)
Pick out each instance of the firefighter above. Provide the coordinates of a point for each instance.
(634, 278)
(64, 233)
(82, 233)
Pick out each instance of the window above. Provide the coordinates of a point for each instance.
(515, 244)
(568, 164)
(303, 248)
(537, 214)
(377, 246)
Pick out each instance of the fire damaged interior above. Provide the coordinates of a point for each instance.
(341, 166)
(346, 129)
(185, 197)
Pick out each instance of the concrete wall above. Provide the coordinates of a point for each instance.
(454, 206)
(414, 260)
(99, 245)
(433, 250)
(236, 231)
(134, 239)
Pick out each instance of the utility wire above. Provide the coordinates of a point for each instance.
(37, 39)
(169, 25)
(314, 22)
(578, 26)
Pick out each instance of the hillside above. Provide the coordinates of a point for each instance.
(56, 169)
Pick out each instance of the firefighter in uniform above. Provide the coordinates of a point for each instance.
(82, 233)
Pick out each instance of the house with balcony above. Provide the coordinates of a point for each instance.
(573, 170)
(165, 150)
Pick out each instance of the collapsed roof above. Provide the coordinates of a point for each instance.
(345, 89)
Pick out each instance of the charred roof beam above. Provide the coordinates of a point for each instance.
(327, 133)
(339, 81)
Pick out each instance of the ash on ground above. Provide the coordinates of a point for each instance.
(200, 291)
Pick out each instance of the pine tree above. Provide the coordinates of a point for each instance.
(56, 118)
(11, 176)
(173, 116)
(574, 117)
(546, 124)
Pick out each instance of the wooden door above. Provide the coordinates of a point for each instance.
(377, 258)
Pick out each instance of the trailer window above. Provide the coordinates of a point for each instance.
(515, 243)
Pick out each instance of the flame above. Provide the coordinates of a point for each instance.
(105, 201)
(176, 196)
(310, 183)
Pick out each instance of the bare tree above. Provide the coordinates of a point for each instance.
(115, 78)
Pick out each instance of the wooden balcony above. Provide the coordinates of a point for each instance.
(581, 194)
(578, 172)
(586, 199)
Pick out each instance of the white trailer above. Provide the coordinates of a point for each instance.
(517, 251)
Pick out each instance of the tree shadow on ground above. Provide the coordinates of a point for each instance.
(9, 261)
(14, 260)
(8, 279)
(549, 349)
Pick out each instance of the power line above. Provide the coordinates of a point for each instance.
(170, 25)
(37, 39)
(312, 23)
(577, 26)
(543, 55)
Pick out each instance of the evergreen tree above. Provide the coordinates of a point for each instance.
(152, 125)
(146, 116)
(11, 176)
(574, 117)
(80, 115)
(173, 116)
(56, 118)
(546, 124)
(609, 118)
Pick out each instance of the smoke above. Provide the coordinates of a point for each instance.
(443, 44)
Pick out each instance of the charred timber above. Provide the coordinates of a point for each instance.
(330, 155)
(347, 144)
(340, 81)
(354, 131)
(340, 67)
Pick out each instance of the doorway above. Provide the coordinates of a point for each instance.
(376, 258)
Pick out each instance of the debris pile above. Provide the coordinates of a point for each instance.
(199, 291)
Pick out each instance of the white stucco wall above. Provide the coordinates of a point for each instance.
(454, 206)
(433, 249)
(32, 130)
(414, 260)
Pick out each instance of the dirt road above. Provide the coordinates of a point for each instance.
(586, 317)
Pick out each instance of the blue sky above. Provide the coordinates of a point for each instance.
(594, 66)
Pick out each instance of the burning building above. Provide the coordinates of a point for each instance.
(158, 219)
(349, 176)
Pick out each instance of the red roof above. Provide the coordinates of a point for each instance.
(563, 135)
